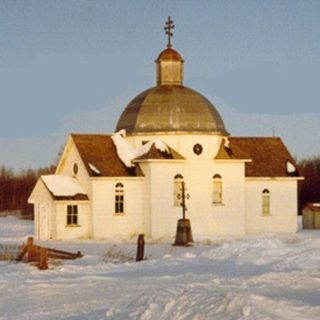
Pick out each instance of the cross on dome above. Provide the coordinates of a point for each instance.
(168, 29)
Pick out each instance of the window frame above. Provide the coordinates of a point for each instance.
(266, 203)
(119, 199)
(72, 215)
(217, 189)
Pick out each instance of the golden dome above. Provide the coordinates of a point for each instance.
(169, 54)
(170, 109)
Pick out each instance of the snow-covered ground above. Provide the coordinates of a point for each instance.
(252, 277)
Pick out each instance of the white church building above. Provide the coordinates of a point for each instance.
(129, 182)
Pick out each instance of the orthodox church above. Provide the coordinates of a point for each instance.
(130, 182)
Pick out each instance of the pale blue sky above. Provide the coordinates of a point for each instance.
(61, 58)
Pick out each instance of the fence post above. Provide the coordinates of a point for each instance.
(43, 261)
(140, 247)
(32, 254)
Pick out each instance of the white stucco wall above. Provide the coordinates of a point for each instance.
(82, 230)
(107, 223)
(183, 143)
(163, 215)
(198, 170)
(216, 219)
(283, 205)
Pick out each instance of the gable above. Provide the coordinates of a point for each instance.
(100, 158)
(269, 156)
(40, 193)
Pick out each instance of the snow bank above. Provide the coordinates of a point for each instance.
(205, 302)
(126, 152)
(62, 186)
(271, 276)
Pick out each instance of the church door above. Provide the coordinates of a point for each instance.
(43, 221)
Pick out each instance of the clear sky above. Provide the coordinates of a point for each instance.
(65, 64)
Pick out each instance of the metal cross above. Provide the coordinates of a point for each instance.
(183, 196)
(168, 29)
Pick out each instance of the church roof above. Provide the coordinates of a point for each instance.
(170, 108)
(99, 155)
(269, 156)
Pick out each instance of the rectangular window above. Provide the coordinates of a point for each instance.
(119, 201)
(72, 214)
(217, 191)
(266, 205)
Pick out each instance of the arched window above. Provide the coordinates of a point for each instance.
(119, 198)
(217, 189)
(177, 190)
(265, 202)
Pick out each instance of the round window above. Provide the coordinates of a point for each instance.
(75, 168)
(197, 148)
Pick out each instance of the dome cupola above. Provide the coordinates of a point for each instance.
(170, 107)
(169, 62)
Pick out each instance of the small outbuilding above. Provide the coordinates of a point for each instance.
(311, 216)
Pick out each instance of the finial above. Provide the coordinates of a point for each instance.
(168, 29)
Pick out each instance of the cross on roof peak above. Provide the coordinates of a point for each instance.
(168, 29)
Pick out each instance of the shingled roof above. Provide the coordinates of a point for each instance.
(100, 151)
(269, 156)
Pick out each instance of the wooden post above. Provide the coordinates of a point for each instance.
(30, 242)
(140, 248)
(43, 261)
(32, 250)
(23, 251)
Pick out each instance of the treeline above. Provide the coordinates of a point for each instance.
(15, 188)
(309, 188)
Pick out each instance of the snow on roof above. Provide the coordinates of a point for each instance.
(94, 169)
(62, 186)
(227, 143)
(290, 167)
(127, 152)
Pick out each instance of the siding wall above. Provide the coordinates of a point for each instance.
(107, 223)
(283, 206)
(83, 230)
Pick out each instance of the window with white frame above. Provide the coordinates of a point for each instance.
(265, 202)
(119, 198)
(217, 189)
(72, 215)
(177, 190)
